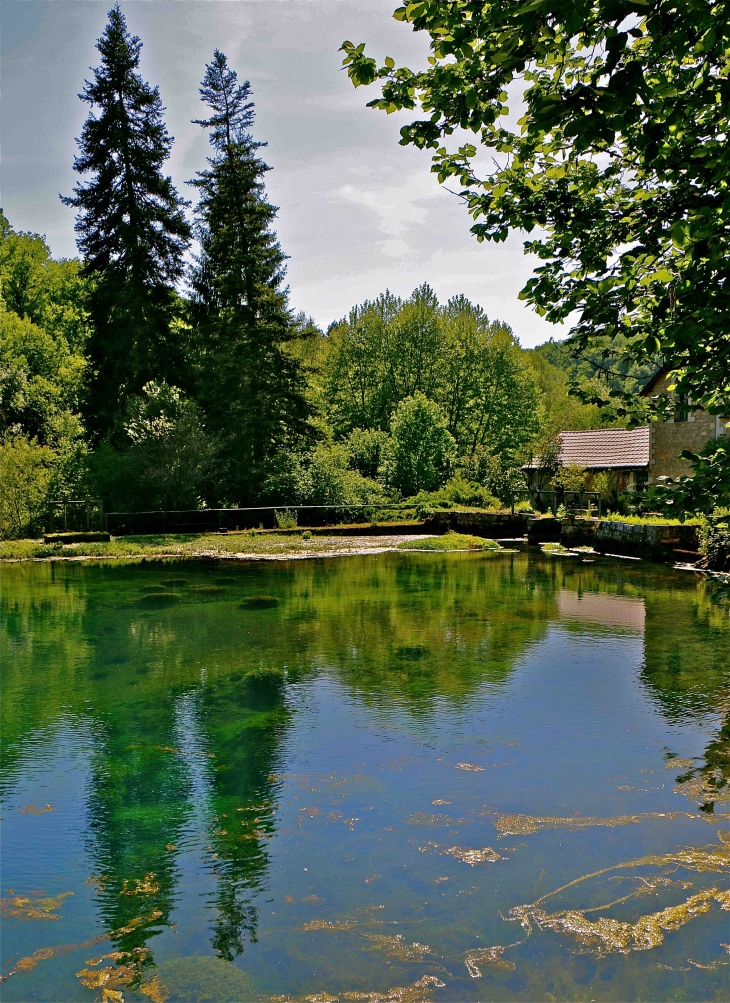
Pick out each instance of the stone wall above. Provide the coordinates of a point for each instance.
(669, 438)
(492, 525)
(633, 539)
(644, 540)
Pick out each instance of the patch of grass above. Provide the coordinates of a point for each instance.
(557, 550)
(449, 542)
(650, 520)
(23, 550)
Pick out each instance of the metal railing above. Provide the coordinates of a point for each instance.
(573, 501)
(252, 517)
(83, 514)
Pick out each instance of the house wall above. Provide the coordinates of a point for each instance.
(669, 438)
(620, 479)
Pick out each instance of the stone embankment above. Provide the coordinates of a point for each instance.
(633, 539)
(490, 525)
(675, 543)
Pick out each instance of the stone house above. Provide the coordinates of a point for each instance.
(668, 438)
(638, 457)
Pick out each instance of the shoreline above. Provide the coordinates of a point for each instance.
(323, 546)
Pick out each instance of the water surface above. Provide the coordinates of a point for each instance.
(395, 778)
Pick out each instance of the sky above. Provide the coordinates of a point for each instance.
(358, 213)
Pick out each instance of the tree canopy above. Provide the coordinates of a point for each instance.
(616, 163)
(389, 349)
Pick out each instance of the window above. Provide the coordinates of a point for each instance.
(680, 413)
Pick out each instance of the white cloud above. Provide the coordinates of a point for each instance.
(396, 208)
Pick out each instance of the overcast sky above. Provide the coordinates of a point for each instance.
(358, 213)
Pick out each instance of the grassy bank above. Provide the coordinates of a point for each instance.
(650, 520)
(214, 545)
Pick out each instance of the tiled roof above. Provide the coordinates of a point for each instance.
(606, 448)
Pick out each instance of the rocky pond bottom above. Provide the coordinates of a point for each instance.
(392, 778)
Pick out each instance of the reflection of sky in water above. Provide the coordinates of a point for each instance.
(318, 832)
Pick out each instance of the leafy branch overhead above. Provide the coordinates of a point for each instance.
(617, 165)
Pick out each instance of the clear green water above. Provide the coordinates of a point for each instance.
(265, 780)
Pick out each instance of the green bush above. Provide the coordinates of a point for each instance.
(319, 477)
(26, 471)
(286, 519)
(500, 474)
(451, 542)
(421, 451)
(715, 541)
(456, 492)
(366, 449)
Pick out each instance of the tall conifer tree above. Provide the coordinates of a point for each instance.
(132, 231)
(253, 391)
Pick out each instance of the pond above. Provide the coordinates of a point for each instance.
(401, 777)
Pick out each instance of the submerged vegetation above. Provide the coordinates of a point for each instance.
(212, 800)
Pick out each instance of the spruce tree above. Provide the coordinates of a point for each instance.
(131, 227)
(252, 389)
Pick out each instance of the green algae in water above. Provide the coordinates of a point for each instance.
(205, 979)
(258, 791)
(158, 600)
(260, 602)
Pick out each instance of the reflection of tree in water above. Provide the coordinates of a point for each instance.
(138, 804)
(687, 672)
(165, 743)
(413, 628)
(245, 716)
(45, 654)
(197, 760)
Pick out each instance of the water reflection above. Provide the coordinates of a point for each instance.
(195, 686)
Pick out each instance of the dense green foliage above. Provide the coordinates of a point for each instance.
(389, 349)
(597, 367)
(43, 333)
(619, 159)
(132, 377)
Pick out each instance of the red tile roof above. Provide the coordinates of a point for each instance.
(606, 448)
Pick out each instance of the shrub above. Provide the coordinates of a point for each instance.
(571, 477)
(457, 492)
(366, 450)
(715, 542)
(451, 542)
(286, 519)
(25, 474)
(171, 455)
(501, 474)
(421, 451)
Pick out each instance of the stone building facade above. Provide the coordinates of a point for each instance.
(669, 438)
